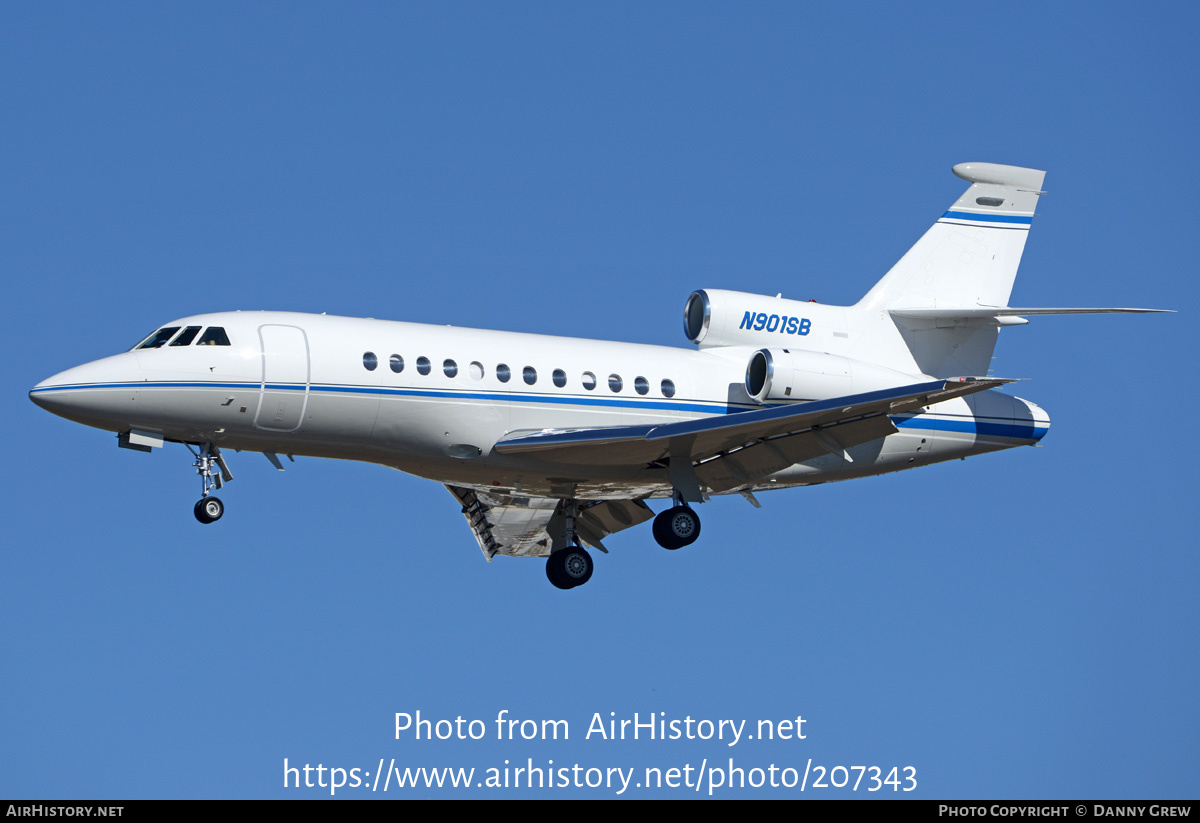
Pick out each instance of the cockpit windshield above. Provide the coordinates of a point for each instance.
(158, 339)
(186, 338)
(213, 336)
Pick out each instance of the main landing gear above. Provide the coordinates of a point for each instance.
(210, 465)
(569, 567)
(678, 526)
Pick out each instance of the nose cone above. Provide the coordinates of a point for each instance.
(102, 393)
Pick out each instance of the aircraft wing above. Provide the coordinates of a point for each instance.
(728, 451)
(521, 526)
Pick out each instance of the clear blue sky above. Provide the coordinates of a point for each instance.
(1016, 625)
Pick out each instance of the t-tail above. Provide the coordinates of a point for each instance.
(937, 312)
(968, 259)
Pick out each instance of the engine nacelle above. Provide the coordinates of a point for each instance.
(801, 346)
(714, 317)
(779, 375)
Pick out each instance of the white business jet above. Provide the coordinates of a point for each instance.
(551, 444)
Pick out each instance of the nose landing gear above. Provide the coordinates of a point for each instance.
(210, 465)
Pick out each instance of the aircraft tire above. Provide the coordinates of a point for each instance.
(552, 575)
(676, 527)
(569, 567)
(209, 510)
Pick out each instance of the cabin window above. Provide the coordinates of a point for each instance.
(588, 380)
(476, 370)
(450, 368)
(186, 337)
(614, 382)
(668, 388)
(503, 373)
(423, 365)
(641, 385)
(529, 375)
(159, 338)
(214, 336)
(396, 362)
(370, 361)
(560, 378)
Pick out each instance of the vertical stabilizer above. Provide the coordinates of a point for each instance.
(968, 259)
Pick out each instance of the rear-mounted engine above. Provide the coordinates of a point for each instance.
(781, 375)
(730, 318)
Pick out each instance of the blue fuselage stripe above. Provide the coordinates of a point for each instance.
(495, 397)
(988, 427)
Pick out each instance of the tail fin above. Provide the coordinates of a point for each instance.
(967, 260)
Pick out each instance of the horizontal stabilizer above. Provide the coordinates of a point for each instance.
(1008, 311)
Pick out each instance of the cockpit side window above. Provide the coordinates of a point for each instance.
(159, 338)
(213, 336)
(186, 338)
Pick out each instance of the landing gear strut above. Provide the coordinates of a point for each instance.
(210, 465)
